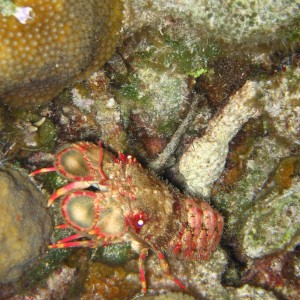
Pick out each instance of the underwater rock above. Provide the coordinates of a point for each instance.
(155, 91)
(56, 286)
(168, 296)
(3, 119)
(280, 100)
(245, 23)
(62, 42)
(264, 158)
(161, 94)
(277, 272)
(94, 98)
(271, 224)
(202, 278)
(204, 160)
(250, 292)
(151, 103)
(24, 224)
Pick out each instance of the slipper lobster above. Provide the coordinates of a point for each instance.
(130, 205)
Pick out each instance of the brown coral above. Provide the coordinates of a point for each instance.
(64, 42)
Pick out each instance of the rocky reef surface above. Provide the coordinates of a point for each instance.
(243, 23)
(25, 225)
(204, 93)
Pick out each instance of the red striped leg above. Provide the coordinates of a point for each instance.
(165, 267)
(101, 161)
(77, 185)
(69, 238)
(62, 226)
(43, 170)
(141, 263)
(85, 243)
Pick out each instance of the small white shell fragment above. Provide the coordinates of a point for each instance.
(32, 129)
(110, 103)
(40, 122)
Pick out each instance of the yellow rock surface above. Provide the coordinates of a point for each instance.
(24, 224)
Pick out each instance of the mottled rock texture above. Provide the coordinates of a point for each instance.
(24, 224)
(280, 101)
(250, 292)
(204, 160)
(168, 296)
(272, 223)
(231, 21)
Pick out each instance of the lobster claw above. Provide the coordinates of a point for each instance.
(93, 213)
(81, 162)
(78, 209)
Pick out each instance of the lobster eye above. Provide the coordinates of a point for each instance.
(138, 221)
(78, 209)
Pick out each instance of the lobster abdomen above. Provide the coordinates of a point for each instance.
(200, 232)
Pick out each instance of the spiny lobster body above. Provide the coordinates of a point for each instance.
(131, 205)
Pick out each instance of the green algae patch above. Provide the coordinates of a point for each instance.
(165, 53)
(271, 223)
(47, 136)
(130, 89)
(263, 159)
(52, 181)
(188, 59)
(52, 260)
(113, 255)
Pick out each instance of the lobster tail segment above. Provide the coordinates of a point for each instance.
(200, 232)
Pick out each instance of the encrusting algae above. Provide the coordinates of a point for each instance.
(56, 43)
